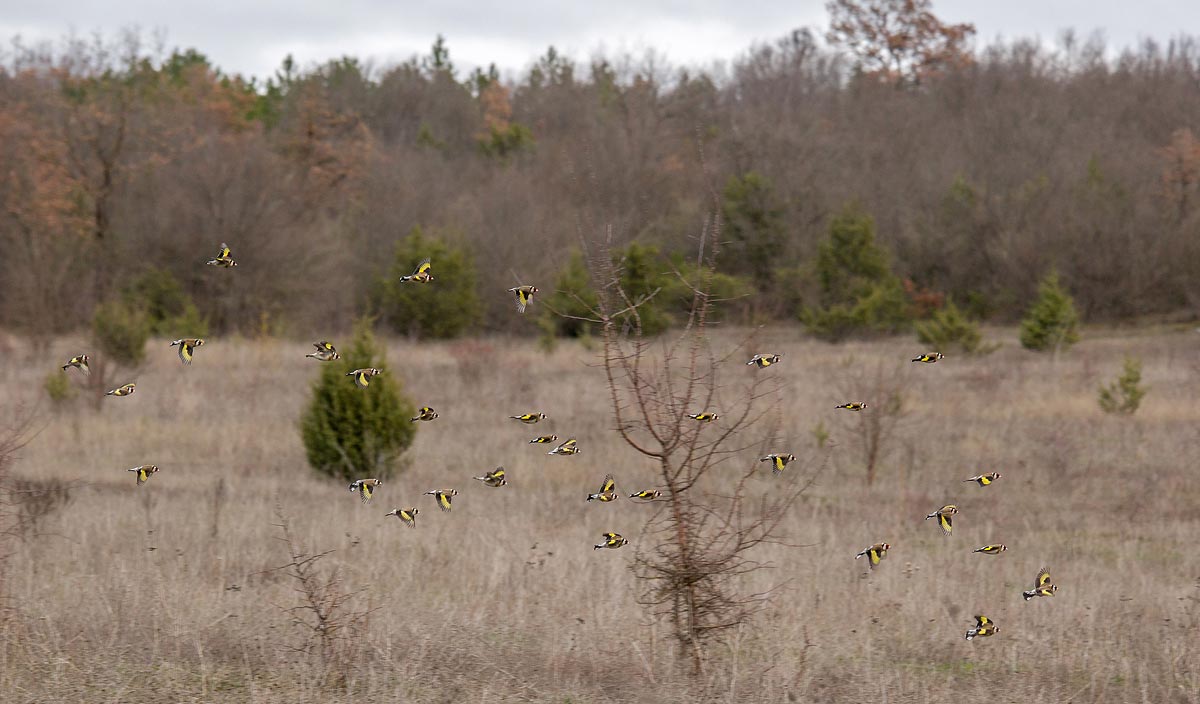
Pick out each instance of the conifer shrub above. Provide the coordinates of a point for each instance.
(1051, 323)
(350, 432)
(858, 294)
(444, 308)
(169, 311)
(120, 331)
(947, 328)
(1125, 393)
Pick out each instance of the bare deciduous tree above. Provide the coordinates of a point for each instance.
(699, 547)
(882, 387)
(332, 630)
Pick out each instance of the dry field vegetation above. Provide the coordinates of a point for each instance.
(169, 592)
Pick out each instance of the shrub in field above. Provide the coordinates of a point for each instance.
(754, 226)
(661, 288)
(169, 311)
(947, 328)
(1051, 322)
(858, 291)
(1125, 393)
(572, 298)
(120, 331)
(58, 387)
(350, 432)
(446, 307)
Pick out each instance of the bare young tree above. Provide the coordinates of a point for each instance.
(700, 545)
(882, 386)
(12, 437)
(332, 629)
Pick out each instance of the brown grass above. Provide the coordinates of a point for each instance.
(169, 592)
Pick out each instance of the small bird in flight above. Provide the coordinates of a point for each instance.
(1042, 586)
(81, 363)
(608, 490)
(984, 627)
(646, 494)
(126, 390)
(875, 553)
(943, 515)
(991, 549)
(144, 472)
(426, 413)
(421, 275)
(929, 357)
(325, 352)
(704, 417)
(494, 478)
(568, 447)
(524, 296)
(852, 406)
(187, 347)
(612, 541)
(543, 439)
(362, 377)
(365, 488)
(778, 462)
(984, 479)
(442, 497)
(764, 360)
(223, 259)
(408, 515)
(529, 418)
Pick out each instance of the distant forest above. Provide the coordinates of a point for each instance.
(978, 169)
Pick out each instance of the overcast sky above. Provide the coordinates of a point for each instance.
(252, 36)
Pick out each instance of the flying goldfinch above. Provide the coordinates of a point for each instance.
(187, 346)
(943, 515)
(421, 275)
(875, 553)
(426, 413)
(80, 363)
(568, 447)
(984, 479)
(764, 360)
(608, 490)
(991, 549)
(442, 497)
(325, 352)
(929, 357)
(646, 494)
(144, 472)
(494, 478)
(704, 417)
(529, 418)
(365, 488)
(1042, 586)
(611, 541)
(126, 390)
(362, 377)
(524, 296)
(223, 259)
(984, 627)
(852, 406)
(408, 515)
(543, 439)
(778, 462)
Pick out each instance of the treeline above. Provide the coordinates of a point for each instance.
(836, 184)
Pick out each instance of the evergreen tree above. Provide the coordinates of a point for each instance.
(444, 308)
(351, 432)
(1051, 322)
(858, 291)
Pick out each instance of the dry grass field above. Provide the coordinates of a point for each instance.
(169, 593)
